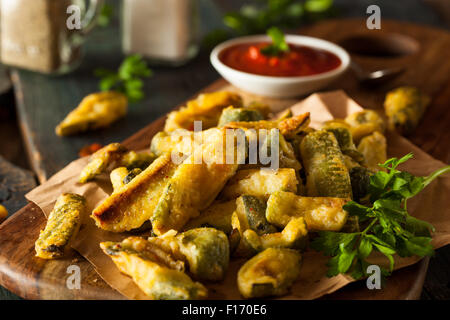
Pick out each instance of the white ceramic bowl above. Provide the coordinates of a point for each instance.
(280, 87)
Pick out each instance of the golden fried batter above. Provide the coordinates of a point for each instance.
(206, 108)
(194, 186)
(156, 272)
(95, 111)
(101, 160)
(133, 204)
(62, 226)
(112, 156)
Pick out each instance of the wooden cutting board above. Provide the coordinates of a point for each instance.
(423, 51)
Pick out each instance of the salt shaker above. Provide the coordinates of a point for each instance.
(164, 31)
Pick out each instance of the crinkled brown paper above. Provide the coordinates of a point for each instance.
(431, 205)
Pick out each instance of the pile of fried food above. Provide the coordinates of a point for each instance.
(202, 214)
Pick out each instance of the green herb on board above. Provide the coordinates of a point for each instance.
(128, 79)
(387, 226)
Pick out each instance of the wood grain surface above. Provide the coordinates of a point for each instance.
(425, 67)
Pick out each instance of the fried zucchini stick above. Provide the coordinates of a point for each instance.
(62, 226)
(156, 272)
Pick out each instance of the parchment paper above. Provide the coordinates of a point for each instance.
(432, 205)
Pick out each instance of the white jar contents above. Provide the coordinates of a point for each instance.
(162, 30)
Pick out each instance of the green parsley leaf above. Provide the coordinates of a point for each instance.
(346, 257)
(365, 248)
(418, 227)
(435, 174)
(333, 266)
(388, 227)
(420, 246)
(329, 242)
(278, 46)
(128, 79)
(393, 163)
(388, 252)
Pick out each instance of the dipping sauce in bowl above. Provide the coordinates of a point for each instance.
(310, 65)
(301, 60)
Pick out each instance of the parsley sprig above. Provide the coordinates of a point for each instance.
(387, 226)
(278, 45)
(128, 78)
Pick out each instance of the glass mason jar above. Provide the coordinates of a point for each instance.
(164, 31)
(45, 36)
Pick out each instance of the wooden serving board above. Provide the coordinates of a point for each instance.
(421, 50)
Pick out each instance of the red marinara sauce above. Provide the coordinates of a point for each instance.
(299, 61)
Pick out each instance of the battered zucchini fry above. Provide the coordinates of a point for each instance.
(155, 271)
(345, 141)
(112, 156)
(134, 203)
(217, 215)
(232, 114)
(101, 160)
(133, 160)
(287, 155)
(206, 251)
(337, 123)
(260, 183)
(320, 213)
(404, 108)
(95, 111)
(117, 177)
(183, 141)
(206, 108)
(288, 127)
(364, 123)
(249, 214)
(194, 186)
(131, 175)
(121, 176)
(266, 140)
(293, 236)
(62, 226)
(291, 126)
(326, 173)
(269, 273)
(373, 148)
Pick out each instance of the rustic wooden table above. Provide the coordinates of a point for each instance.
(43, 101)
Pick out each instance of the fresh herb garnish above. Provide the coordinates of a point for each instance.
(388, 228)
(279, 44)
(128, 79)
